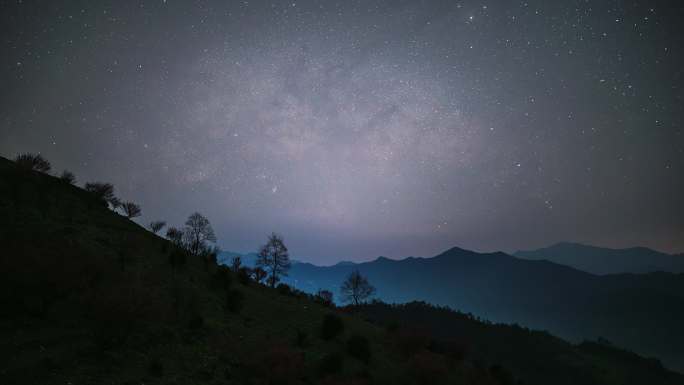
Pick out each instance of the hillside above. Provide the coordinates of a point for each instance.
(601, 260)
(91, 297)
(539, 294)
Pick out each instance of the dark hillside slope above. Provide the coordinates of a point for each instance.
(90, 297)
(640, 312)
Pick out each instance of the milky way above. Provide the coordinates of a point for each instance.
(362, 128)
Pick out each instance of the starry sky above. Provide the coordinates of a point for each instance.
(362, 128)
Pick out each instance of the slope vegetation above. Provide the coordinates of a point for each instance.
(89, 296)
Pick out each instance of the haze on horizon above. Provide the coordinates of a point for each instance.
(363, 128)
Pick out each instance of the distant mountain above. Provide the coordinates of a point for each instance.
(89, 296)
(599, 260)
(641, 312)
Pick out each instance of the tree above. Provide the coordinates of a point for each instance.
(104, 192)
(236, 263)
(356, 288)
(156, 226)
(68, 177)
(131, 209)
(33, 162)
(115, 203)
(325, 297)
(259, 274)
(175, 235)
(198, 232)
(274, 259)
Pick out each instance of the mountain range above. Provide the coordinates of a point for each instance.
(601, 260)
(643, 312)
(89, 296)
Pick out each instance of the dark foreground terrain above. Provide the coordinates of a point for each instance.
(89, 296)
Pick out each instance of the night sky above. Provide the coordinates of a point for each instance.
(362, 128)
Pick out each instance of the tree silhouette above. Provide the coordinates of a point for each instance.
(156, 226)
(274, 259)
(356, 288)
(33, 162)
(325, 296)
(131, 209)
(236, 263)
(104, 192)
(68, 176)
(259, 274)
(175, 235)
(198, 232)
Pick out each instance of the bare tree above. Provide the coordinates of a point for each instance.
(104, 192)
(115, 203)
(198, 232)
(156, 226)
(68, 177)
(356, 288)
(274, 259)
(175, 235)
(33, 162)
(130, 209)
(325, 296)
(236, 263)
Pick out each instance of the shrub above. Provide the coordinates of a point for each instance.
(359, 347)
(284, 289)
(331, 327)
(131, 209)
(259, 274)
(104, 192)
(33, 162)
(68, 177)
(330, 364)
(234, 300)
(156, 226)
(324, 297)
(244, 275)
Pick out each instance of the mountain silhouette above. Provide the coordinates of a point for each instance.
(601, 260)
(622, 308)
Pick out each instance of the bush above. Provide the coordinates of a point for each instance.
(68, 177)
(33, 162)
(359, 347)
(330, 364)
(324, 297)
(244, 275)
(331, 327)
(284, 289)
(234, 300)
